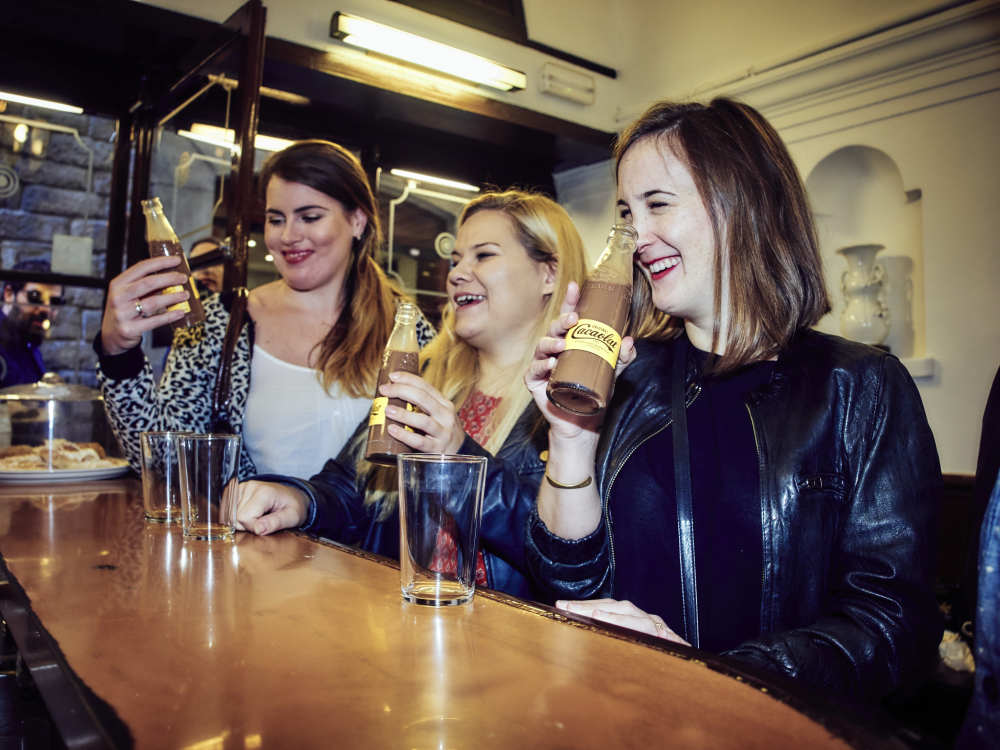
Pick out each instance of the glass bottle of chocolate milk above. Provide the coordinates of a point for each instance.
(585, 371)
(401, 354)
(162, 240)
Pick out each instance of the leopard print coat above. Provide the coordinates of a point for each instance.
(182, 400)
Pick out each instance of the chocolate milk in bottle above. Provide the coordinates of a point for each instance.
(401, 354)
(162, 240)
(584, 373)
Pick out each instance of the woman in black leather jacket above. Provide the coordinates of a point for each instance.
(786, 520)
(514, 256)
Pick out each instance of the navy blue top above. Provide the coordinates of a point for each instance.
(727, 517)
(20, 361)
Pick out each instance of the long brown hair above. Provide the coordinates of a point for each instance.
(765, 238)
(351, 352)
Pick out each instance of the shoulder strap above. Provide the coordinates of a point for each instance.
(220, 394)
(682, 491)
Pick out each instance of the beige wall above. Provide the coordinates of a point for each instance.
(946, 153)
(682, 49)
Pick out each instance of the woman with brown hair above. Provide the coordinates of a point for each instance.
(305, 363)
(515, 255)
(757, 488)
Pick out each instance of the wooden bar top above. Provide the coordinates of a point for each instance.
(288, 642)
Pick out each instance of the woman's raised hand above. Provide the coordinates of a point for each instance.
(562, 423)
(135, 304)
(265, 507)
(435, 423)
(623, 613)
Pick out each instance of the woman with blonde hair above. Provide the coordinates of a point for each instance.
(515, 253)
(308, 353)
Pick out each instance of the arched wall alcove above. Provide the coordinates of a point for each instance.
(858, 197)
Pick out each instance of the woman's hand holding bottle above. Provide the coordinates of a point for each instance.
(435, 425)
(568, 502)
(563, 424)
(134, 305)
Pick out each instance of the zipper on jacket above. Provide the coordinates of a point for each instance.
(760, 489)
(695, 391)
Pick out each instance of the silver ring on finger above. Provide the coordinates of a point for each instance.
(138, 308)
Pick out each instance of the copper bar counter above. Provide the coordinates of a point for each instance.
(137, 638)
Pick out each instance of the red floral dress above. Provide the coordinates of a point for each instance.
(475, 418)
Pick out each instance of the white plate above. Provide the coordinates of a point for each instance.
(62, 475)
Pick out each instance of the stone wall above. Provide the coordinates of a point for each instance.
(43, 192)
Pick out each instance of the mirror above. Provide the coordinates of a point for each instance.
(420, 218)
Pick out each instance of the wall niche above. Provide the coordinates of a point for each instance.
(858, 197)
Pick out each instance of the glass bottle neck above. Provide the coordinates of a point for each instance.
(406, 314)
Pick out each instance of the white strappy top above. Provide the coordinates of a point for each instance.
(292, 425)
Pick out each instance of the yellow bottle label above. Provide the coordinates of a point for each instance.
(595, 337)
(377, 417)
(179, 305)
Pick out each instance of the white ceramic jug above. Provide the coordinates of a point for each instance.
(865, 317)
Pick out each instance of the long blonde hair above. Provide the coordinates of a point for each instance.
(451, 365)
(548, 235)
(350, 354)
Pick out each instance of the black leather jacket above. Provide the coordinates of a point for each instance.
(849, 485)
(338, 512)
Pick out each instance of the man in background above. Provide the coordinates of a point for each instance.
(209, 278)
(25, 318)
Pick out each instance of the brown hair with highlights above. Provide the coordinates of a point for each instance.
(351, 352)
(765, 239)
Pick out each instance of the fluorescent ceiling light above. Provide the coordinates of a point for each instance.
(44, 103)
(270, 143)
(434, 180)
(402, 45)
(211, 140)
(226, 138)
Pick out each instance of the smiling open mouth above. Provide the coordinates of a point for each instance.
(296, 256)
(663, 265)
(464, 300)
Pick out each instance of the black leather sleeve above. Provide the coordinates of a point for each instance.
(337, 502)
(511, 485)
(567, 569)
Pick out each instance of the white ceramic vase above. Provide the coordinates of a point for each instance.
(865, 317)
